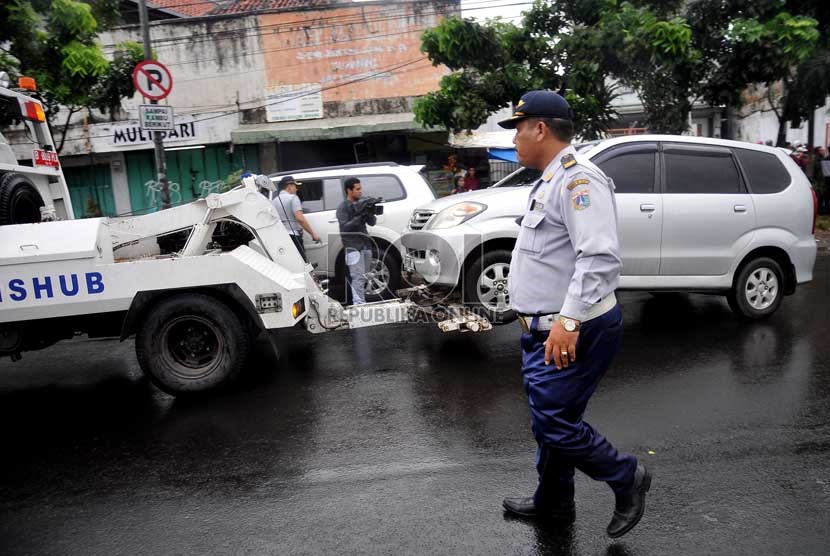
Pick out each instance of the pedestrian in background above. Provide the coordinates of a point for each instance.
(471, 180)
(290, 209)
(821, 178)
(460, 186)
(353, 217)
(564, 270)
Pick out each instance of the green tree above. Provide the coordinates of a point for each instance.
(670, 52)
(495, 63)
(55, 42)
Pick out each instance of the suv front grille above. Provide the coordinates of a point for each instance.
(419, 219)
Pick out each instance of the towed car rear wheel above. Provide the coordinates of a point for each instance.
(486, 289)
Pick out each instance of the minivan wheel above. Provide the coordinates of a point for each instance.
(384, 277)
(485, 286)
(758, 289)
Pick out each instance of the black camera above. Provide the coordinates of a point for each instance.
(370, 205)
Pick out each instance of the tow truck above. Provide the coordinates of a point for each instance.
(36, 193)
(195, 311)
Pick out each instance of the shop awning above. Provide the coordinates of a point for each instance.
(508, 155)
(327, 128)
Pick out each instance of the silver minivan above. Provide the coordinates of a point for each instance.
(695, 214)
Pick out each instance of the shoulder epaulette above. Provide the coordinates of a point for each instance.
(568, 161)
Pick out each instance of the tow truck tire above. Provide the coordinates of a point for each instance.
(485, 286)
(20, 201)
(192, 343)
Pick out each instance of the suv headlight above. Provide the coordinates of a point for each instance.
(456, 214)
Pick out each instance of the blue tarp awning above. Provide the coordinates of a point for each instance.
(508, 155)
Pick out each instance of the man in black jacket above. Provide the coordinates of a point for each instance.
(353, 217)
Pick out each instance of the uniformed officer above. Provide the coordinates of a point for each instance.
(563, 274)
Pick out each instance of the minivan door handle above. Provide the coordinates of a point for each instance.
(740, 208)
(647, 207)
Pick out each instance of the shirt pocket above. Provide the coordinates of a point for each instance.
(531, 236)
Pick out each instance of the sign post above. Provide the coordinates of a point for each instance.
(154, 82)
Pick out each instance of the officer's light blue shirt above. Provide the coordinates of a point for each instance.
(566, 257)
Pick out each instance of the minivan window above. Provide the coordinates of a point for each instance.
(387, 188)
(700, 169)
(524, 176)
(632, 167)
(764, 171)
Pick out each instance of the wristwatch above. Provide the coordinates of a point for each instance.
(570, 325)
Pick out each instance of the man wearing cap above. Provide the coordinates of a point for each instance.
(290, 209)
(563, 274)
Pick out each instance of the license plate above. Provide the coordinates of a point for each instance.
(45, 158)
(408, 265)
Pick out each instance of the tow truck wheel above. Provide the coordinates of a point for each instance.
(20, 201)
(192, 343)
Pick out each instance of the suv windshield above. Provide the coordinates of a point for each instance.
(519, 178)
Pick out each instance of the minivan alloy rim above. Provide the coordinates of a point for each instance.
(761, 288)
(492, 287)
(377, 279)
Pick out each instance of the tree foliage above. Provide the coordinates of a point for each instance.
(670, 52)
(55, 42)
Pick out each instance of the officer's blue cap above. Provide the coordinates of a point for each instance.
(539, 104)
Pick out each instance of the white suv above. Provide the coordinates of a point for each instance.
(322, 190)
(695, 214)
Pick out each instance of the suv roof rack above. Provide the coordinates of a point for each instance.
(338, 167)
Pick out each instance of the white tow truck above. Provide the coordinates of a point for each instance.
(195, 311)
(30, 193)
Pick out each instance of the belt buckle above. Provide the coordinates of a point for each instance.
(523, 323)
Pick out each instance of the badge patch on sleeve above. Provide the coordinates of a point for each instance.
(580, 181)
(581, 199)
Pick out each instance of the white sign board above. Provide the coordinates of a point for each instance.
(825, 168)
(293, 102)
(154, 117)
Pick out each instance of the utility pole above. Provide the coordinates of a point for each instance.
(158, 142)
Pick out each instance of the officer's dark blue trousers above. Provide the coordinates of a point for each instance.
(558, 399)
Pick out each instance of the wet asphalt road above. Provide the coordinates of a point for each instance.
(404, 441)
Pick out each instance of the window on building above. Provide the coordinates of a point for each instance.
(632, 167)
(700, 169)
(764, 171)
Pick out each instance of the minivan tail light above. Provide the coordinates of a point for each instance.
(815, 209)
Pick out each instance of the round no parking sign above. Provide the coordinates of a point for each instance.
(152, 79)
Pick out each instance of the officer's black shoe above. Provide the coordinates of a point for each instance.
(630, 506)
(526, 508)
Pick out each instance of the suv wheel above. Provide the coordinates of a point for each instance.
(485, 286)
(758, 289)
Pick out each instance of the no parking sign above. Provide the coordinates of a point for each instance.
(152, 79)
